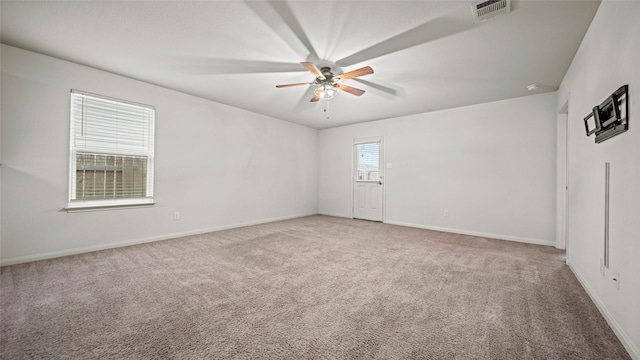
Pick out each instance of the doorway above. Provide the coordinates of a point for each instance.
(562, 219)
(368, 179)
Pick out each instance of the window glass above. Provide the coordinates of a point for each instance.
(111, 151)
(368, 161)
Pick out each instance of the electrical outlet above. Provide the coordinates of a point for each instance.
(446, 213)
(305, 203)
(616, 279)
(176, 215)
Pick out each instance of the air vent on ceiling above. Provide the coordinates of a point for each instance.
(487, 9)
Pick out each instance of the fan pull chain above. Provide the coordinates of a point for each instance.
(326, 107)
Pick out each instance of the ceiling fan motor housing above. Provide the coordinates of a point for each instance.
(326, 71)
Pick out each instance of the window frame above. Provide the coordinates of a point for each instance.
(76, 205)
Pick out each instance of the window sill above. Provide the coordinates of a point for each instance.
(97, 206)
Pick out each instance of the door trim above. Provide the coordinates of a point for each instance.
(562, 240)
(381, 170)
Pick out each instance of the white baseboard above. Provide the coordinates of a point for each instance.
(476, 233)
(336, 215)
(55, 254)
(622, 336)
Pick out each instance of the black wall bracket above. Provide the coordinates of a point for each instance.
(611, 117)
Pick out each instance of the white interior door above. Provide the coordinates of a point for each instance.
(367, 180)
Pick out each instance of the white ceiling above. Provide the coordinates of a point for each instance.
(427, 55)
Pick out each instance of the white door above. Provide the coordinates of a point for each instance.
(367, 182)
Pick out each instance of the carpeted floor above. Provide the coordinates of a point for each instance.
(311, 288)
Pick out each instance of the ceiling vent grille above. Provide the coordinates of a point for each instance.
(487, 9)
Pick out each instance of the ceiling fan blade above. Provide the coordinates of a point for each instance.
(303, 101)
(276, 13)
(290, 85)
(356, 73)
(349, 89)
(380, 87)
(199, 66)
(313, 69)
(437, 28)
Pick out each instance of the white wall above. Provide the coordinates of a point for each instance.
(607, 59)
(491, 165)
(218, 165)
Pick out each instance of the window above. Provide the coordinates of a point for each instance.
(111, 152)
(368, 161)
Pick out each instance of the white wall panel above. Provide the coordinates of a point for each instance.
(217, 165)
(492, 166)
(607, 59)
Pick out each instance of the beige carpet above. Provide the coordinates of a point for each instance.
(309, 288)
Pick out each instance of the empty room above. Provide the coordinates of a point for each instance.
(320, 179)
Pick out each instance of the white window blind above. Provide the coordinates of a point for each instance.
(368, 161)
(111, 152)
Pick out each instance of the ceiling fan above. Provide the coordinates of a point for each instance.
(328, 82)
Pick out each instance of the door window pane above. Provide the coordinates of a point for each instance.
(368, 161)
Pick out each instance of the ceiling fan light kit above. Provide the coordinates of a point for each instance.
(326, 92)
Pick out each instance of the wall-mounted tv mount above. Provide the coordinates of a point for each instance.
(610, 118)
